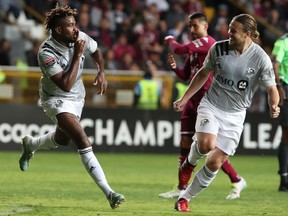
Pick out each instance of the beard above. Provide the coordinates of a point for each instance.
(73, 38)
(233, 43)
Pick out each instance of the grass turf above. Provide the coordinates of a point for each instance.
(57, 184)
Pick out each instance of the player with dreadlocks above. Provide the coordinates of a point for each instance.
(62, 93)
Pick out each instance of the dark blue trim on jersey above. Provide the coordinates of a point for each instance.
(222, 48)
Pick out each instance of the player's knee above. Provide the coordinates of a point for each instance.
(205, 147)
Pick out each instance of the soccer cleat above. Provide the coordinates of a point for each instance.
(283, 188)
(170, 194)
(115, 199)
(182, 205)
(26, 153)
(236, 189)
(184, 174)
(283, 183)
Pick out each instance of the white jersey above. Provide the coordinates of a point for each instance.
(236, 77)
(54, 58)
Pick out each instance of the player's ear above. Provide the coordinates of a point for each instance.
(248, 33)
(58, 30)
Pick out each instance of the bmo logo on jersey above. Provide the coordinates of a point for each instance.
(242, 85)
(224, 80)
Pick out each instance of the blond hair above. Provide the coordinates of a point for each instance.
(249, 24)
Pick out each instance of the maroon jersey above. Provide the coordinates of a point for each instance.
(197, 51)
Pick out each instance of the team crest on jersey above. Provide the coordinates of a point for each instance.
(249, 72)
(50, 62)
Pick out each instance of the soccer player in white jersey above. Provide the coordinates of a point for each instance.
(62, 94)
(197, 51)
(239, 66)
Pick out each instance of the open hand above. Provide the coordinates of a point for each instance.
(101, 80)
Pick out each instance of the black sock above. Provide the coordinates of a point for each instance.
(283, 161)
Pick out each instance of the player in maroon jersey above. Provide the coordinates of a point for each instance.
(197, 50)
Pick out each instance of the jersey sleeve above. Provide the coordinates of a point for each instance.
(209, 62)
(280, 54)
(91, 45)
(277, 46)
(49, 64)
(267, 75)
(199, 45)
(178, 48)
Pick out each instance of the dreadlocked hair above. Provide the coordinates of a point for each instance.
(56, 13)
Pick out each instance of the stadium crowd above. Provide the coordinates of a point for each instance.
(131, 33)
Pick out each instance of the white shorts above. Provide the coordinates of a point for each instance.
(53, 107)
(226, 126)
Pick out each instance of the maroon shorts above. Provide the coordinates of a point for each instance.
(188, 118)
(189, 114)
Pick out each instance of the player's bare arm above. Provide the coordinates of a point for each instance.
(196, 83)
(273, 101)
(66, 80)
(100, 78)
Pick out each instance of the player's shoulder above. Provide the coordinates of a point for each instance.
(258, 52)
(280, 41)
(221, 47)
(85, 37)
(210, 39)
(82, 35)
(91, 44)
(49, 48)
(203, 42)
(45, 44)
(207, 40)
(258, 49)
(222, 42)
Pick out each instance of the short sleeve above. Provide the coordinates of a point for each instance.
(91, 45)
(209, 62)
(277, 46)
(267, 75)
(48, 64)
(280, 54)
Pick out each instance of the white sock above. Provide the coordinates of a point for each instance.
(44, 142)
(202, 179)
(195, 155)
(94, 169)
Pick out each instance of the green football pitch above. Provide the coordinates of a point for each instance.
(57, 184)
